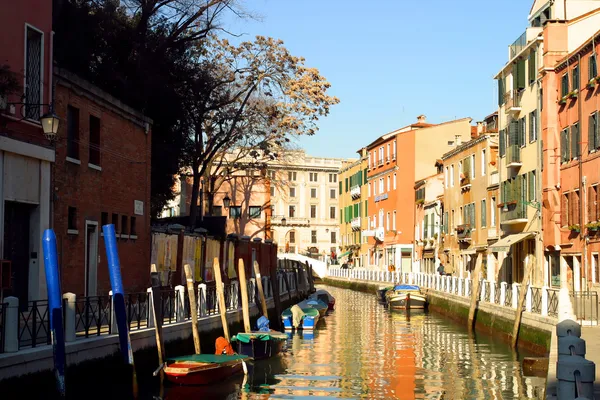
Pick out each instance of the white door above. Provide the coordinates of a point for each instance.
(91, 258)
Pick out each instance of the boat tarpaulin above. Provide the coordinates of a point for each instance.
(406, 287)
(247, 337)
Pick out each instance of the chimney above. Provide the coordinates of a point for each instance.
(479, 128)
(421, 119)
(457, 140)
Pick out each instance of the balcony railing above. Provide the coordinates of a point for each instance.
(517, 212)
(355, 224)
(512, 101)
(513, 155)
(463, 232)
(291, 221)
(355, 192)
(518, 45)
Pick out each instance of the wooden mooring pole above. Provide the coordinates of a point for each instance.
(475, 289)
(244, 292)
(522, 295)
(193, 309)
(261, 293)
(158, 320)
(221, 298)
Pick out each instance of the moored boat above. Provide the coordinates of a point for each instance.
(406, 297)
(300, 318)
(202, 369)
(325, 297)
(259, 345)
(316, 304)
(382, 291)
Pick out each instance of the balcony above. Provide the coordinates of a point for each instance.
(493, 179)
(465, 181)
(518, 45)
(463, 233)
(355, 192)
(282, 220)
(513, 156)
(513, 213)
(355, 224)
(512, 102)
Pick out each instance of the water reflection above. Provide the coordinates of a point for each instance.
(362, 350)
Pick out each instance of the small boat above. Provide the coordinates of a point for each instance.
(325, 297)
(300, 318)
(406, 297)
(202, 369)
(315, 303)
(259, 345)
(382, 291)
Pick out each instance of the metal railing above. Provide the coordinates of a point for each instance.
(92, 315)
(513, 154)
(585, 306)
(515, 211)
(3, 307)
(34, 324)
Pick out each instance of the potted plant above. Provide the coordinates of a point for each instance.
(573, 94)
(592, 83)
(435, 235)
(420, 201)
(575, 228)
(593, 226)
(563, 101)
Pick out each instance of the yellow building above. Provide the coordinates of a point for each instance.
(353, 211)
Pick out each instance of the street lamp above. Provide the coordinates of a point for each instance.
(50, 122)
(283, 221)
(226, 201)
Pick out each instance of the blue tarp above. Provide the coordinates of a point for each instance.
(263, 324)
(406, 287)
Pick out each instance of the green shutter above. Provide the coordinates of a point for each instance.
(591, 132)
(597, 127)
(532, 66)
(365, 176)
(346, 185)
(360, 178)
(483, 213)
(340, 186)
(575, 77)
(355, 215)
(513, 133)
(500, 91)
(502, 143)
(366, 212)
(520, 68)
(575, 141)
(360, 214)
(564, 85)
(425, 226)
(522, 132)
(592, 67)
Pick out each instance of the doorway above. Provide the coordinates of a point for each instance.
(16, 248)
(91, 258)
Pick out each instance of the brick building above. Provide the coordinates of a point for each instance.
(101, 176)
(26, 156)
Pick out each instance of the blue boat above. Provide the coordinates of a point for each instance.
(317, 304)
(296, 317)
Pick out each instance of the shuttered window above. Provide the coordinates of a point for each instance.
(532, 126)
(500, 91)
(564, 145)
(513, 133)
(366, 213)
(340, 187)
(593, 142)
(564, 85)
(575, 141)
(592, 196)
(502, 144)
(575, 77)
(531, 185)
(483, 214)
(532, 67)
(426, 227)
(592, 68)
(564, 210)
(519, 75)
(522, 132)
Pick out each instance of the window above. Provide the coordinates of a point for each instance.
(124, 230)
(532, 67)
(292, 236)
(394, 220)
(313, 237)
(388, 183)
(369, 190)
(531, 186)
(235, 212)
(332, 178)
(575, 140)
(313, 177)
(394, 150)
(33, 73)
(565, 151)
(446, 177)
(564, 85)
(593, 139)
(592, 69)
(387, 158)
(272, 191)
(292, 192)
(332, 212)
(387, 221)
(532, 126)
(313, 211)
(115, 221)
(103, 219)
(292, 211)
(72, 219)
(381, 155)
(575, 78)
(72, 132)
(564, 210)
(333, 237)
(381, 187)
(426, 227)
(272, 175)
(522, 132)
(255, 211)
(292, 176)
(313, 193)
(592, 206)
(94, 140)
(132, 228)
(483, 214)
(332, 193)
(452, 175)
(483, 163)
(502, 142)
(493, 212)
(472, 166)
(217, 211)
(394, 182)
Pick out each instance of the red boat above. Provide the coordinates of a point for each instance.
(202, 369)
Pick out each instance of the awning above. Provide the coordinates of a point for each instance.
(345, 253)
(468, 251)
(505, 243)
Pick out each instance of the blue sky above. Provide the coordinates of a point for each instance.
(391, 60)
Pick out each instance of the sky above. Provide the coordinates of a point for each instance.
(389, 61)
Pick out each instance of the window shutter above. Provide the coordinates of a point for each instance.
(366, 212)
(425, 226)
(483, 213)
(564, 145)
(360, 210)
(597, 130)
(521, 74)
(575, 77)
(575, 141)
(593, 67)
(502, 144)
(564, 211)
(532, 67)
(591, 132)
(340, 186)
(564, 85)
(513, 133)
(591, 209)
(500, 91)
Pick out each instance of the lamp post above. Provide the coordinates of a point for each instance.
(50, 121)
(226, 201)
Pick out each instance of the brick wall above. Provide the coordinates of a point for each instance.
(124, 177)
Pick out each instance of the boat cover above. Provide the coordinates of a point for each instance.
(247, 337)
(297, 315)
(208, 358)
(222, 346)
(319, 293)
(263, 324)
(406, 287)
(316, 303)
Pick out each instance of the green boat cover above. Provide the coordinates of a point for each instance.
(209, 358)
(313, 312)
(262, 336)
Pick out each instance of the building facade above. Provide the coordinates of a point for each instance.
(101, 176)
(395, 162)
(26, 155)
(352, 181)
(305, 204)
(470, 206)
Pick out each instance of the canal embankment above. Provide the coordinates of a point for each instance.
(493, 319)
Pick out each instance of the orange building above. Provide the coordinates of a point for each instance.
(573, 123)
(395, 162)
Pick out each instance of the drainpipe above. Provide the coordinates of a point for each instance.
(582, 180)
(539, 243)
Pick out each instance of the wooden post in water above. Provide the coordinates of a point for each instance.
(475, 289)
(261, 293)
(522, 294)
(193, 309)
(244, 291)
(158, 319)
(221, 297)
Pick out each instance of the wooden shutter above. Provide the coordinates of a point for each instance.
(522, 132)
(564, 210)
(575, 78)
(591, 205)
(575, 141)
(521, 74)
(502, 144)
(564, 85)
(591, 132)
(425, 226)
(564, 145)
(366, 212)
(500, 91)
(532, 66)
(340, 186)
(513, 133)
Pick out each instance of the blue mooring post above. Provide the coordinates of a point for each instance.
(118, 297)
(55, 308)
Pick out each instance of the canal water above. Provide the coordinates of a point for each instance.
(361, 350)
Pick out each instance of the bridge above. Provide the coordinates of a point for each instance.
(319, 267)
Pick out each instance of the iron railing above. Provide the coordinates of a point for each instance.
(552, 302)
(536, 300)
(92, 315)
(3, 307)
(34, 324)
(585, 306)
(138, 310)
